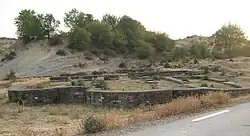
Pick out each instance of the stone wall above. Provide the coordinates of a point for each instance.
(59, 94)
(121, 99)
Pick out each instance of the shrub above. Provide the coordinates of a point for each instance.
(215, 68)
(11, 75)
(206, 70)
(88, 56)
(214, 99)
(205, 77)
(82, 65)
(104, 58)
(78, 82)
(167, 65)
(185, 79)
(109, 52)
(43, 85)
(55, 40)
(145, 51)
(61, 52)
(219, 55)
(196, 61)
(96, 53)
(204, 84)
(96, 73)
(156, 77)
(93, 124)
(102, 84)
(122, 65)
(222, 73)
(9, 56)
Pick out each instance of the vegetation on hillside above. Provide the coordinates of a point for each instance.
(121, 35)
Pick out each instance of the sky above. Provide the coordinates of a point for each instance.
(178, 18)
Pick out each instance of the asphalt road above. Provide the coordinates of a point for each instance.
(232, 121)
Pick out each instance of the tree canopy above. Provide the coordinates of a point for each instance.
(229, 36)
(31, 25)
(123, 35)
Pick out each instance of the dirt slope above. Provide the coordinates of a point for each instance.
(40, 59)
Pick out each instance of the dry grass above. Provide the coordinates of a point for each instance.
(180, 106)
(128, 84)
(64, 120)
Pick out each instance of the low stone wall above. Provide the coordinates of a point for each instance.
(121, 99)
(59, 94)
(169, 73)
(128, 99)
(86, 77)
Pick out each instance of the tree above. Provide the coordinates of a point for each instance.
(49, 24)
(29, 26)
(144, 50)
(79, 39)
(100, 33)
(76, 18)
(110, 20)
(132, 30)
(229, 36)
(160, 41)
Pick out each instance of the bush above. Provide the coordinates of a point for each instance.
(9, 56)
(206, 70)
(96, 53)
(96, 72)
(92, 124)
(43, 85)
(219, 55)
(222, 73)
(11, 75)
(104, 58)
(122, 65)
(214, 99)
(88, 56)
(205, 77)
(145, 51)
(167, 65)
(55, 40)
(61, 52)
(78, 82)
(196, 61)
(204, 84)
(156, 77)
(109, 52)
(185, 79)
(102, 84)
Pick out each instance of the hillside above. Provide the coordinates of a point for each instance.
(38, 58)
(92, 44)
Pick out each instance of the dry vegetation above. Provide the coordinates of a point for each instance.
(50, 120)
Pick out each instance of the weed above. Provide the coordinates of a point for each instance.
(93, 124)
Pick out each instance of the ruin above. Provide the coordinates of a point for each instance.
(158, 88)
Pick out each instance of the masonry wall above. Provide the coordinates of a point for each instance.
(121, 99)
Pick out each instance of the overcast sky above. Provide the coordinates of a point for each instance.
(178, 18)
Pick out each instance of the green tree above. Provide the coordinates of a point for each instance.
(49, 24)
(79, 39)
(28, 25)
(132, 30)
(144, 50)
(229, 36)
(76, 18)
(101, 33)
(199, 51)
(160, 41)
(110, 20)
